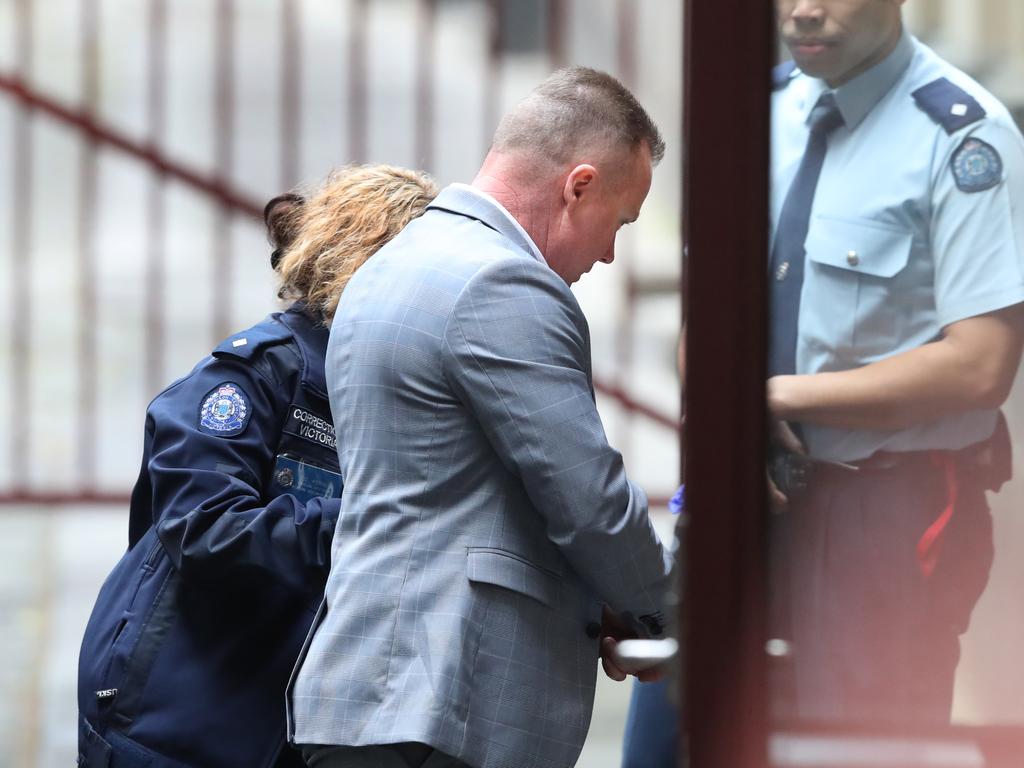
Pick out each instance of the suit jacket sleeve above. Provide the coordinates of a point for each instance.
(517, 355)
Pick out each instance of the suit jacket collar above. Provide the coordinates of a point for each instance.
(465, 201)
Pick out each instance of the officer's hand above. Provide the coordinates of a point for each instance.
(783, 436)
(776, 499)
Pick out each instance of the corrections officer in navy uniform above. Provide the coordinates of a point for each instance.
(897, 276)
(187, 652)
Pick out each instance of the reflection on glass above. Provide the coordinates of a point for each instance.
(896, 272)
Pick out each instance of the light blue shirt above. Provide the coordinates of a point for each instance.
(896, 250)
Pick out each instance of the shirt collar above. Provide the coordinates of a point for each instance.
(858, 97)
(479, 193)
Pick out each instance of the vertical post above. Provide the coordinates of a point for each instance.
(224, 110)
(425, 42)
(963, 33)
(492, 77)
(1007, 81)
(85, 234)
(291, 95)
(358, 116)
(725, 220)
(21, 260)
(556, 33)
(155, 202)
(626, 13)
(1015, 51)
(916, 17)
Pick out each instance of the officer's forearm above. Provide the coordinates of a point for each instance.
(971, 367)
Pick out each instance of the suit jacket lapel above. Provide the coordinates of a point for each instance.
(464, 203)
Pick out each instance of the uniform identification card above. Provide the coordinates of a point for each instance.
(305, 481)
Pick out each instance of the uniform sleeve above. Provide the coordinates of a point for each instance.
(208, 499)
(977, 224)
(516, 354)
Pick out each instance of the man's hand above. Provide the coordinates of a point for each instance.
(644, 676)
(614, 629)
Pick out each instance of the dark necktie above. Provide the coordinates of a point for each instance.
(787, 262)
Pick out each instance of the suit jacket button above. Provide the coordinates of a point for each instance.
(593, 630)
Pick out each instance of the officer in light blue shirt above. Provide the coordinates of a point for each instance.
(897, 277)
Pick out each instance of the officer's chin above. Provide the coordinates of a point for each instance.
(817, 63)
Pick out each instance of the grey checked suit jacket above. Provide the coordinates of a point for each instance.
(484, 516)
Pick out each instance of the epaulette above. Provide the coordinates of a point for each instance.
(948, 105)
(247, 343)
(782, 74)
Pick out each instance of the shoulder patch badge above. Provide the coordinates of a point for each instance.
(225, 411)
(976, 165)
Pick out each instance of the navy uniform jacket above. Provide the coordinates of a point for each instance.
(188, 650)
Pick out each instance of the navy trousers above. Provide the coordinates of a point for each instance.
(874, 634)
(407, 755)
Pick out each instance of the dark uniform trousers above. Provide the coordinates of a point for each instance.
(875, 631)
(408, 755)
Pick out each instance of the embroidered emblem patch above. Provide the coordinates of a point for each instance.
(976, 165)
(225, 411)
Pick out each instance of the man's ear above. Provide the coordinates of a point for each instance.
(580, 181)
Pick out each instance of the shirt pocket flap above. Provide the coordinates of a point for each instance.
(860, 246)
(508, 570)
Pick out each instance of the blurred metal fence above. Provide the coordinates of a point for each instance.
(142, 139)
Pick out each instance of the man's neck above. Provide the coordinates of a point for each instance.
(501, 178)
(880, 55)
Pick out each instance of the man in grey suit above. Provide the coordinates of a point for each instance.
(485, 518)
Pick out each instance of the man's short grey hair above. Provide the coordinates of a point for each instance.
(576, 109)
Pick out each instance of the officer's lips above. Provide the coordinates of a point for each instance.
(807, 48)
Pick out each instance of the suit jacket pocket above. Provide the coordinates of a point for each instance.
(505, 569)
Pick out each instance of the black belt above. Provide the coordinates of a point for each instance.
(989, 461)
(793, 472)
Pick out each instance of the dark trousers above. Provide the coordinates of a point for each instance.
(409, 755)
(873, 636)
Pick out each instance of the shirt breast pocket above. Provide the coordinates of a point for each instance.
(850, 304)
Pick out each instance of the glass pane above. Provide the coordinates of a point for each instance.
(895, 271)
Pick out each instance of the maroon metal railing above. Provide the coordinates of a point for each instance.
(215, 185)
(212, 186)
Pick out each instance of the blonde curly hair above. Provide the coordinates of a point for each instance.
(326, 236)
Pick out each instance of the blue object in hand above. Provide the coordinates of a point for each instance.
(677, 504)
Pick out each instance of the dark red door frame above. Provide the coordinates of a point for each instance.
(729, 50)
